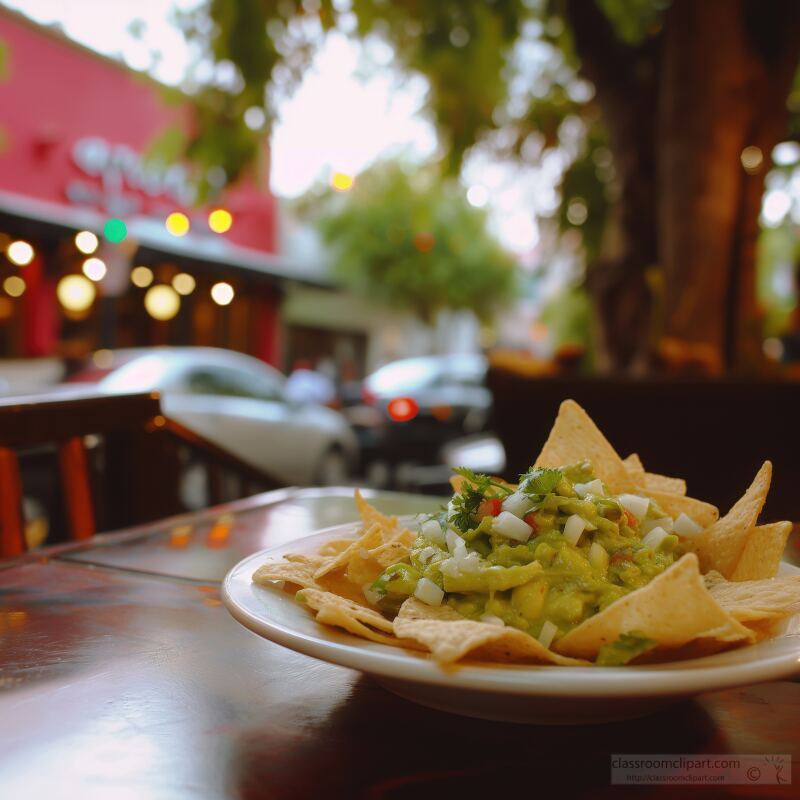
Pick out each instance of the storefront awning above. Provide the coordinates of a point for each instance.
(151, 234)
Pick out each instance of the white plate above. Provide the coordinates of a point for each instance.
(516, 693)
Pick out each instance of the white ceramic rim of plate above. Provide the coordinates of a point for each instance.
(772, 659)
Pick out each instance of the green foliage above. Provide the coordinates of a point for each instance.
(412, 242)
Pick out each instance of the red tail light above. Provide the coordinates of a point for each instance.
(402, 409)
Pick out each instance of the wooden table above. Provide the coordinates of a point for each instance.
(122, 677)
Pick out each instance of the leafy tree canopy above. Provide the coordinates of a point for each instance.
(410, 240)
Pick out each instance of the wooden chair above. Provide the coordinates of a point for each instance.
(129, 474)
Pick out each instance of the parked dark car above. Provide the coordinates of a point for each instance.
(407, 410)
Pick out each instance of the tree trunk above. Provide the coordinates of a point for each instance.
(726, 72)
(626, 84)
(680, 111)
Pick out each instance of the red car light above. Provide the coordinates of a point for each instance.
(402, 409)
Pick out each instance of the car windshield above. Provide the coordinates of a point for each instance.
(405, 375)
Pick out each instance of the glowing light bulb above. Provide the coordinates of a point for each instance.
(94, 269)
(222, 293)
(115, 230)
(14, 286)
(141, 277)
(86, 242)
(341, 182)
(220, 220)
(75, 292)
(183, 283)
(20, 253)
(162, 302)
(177, 224)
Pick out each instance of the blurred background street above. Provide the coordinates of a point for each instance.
(359, 242)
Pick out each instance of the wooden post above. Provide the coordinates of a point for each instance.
(77, 490)
(12, 525)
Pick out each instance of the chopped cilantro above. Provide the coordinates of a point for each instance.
(540, 481)
(465, 507)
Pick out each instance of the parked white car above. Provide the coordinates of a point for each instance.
(237, 402)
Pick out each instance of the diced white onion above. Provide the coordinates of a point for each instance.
(451, 539)
(685, 526)
(592, 487)
(598, 557)
(574, 528)
(506, 524)
(654, 538)
(449, 567)
(427, 553)
(491, 619)
(467, 562)
(518, 504)
(431, 529)
(547, 634)
(663, 522)
(371, 596)
(635, 504)
(428, 592)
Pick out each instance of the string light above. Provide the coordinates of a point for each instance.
(141, 277)
(162, 302)
(94, 269)
(222, 293)
(341, 182)
(115, 230)
(75, 292)
(20, 253)
(183, 283)
(220, 220)
(177, 224)
(86, 242)
(14, 286)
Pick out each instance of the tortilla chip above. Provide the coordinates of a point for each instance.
(574, 438)
(450, 637)
(296, 569)
(721, 546)
(338, 618)
(301, 570)
(318, 600)
(673, 609)
(763, 550)
(335, 546)
(753, 601)
(653, 482)
(372, 537)
(366, 565)
(635, 468)
(704, 514)
(371, 516)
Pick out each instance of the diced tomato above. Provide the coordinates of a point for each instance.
(632, 521)
(531, 520)
(490, 507)
(621, 556)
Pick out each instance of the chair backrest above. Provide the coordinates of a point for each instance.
(141, 460)
(715, 434)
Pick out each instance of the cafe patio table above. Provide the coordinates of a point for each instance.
(123, 677)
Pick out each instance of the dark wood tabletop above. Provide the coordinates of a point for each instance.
(123, 676)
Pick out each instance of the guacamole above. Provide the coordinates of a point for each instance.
(542, 556)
